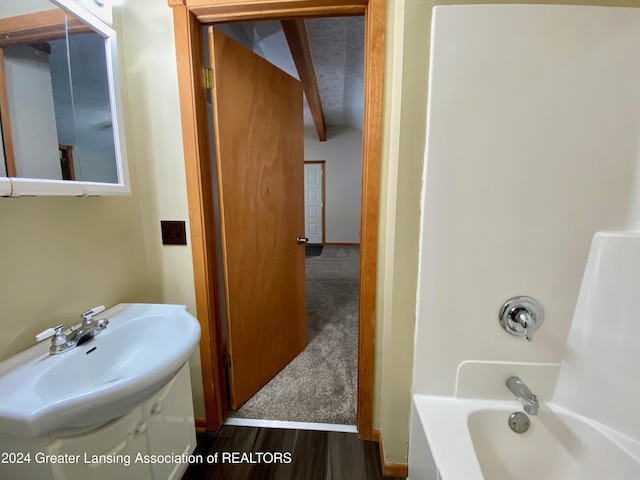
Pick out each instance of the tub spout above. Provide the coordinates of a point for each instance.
(521, 391)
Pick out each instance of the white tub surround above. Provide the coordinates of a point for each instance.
(439, 424)
(599, 372)
(588, 426)
(532, 149)
(485, 380)
(471, 440)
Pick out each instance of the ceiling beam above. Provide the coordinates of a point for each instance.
(296, 34)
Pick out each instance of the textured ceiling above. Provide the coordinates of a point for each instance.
(337, 47)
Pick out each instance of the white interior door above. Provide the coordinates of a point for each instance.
(313, 202)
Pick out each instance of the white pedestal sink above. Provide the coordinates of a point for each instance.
(141, 350)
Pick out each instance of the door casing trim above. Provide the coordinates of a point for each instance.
(188, 21)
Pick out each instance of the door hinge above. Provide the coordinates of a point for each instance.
(208, 78)
(227, 359)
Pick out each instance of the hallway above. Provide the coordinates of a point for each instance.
(320, 385)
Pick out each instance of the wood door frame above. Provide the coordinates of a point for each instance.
(323, 163)
(189, 17)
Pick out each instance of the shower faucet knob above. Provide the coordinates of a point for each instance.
(522, 316)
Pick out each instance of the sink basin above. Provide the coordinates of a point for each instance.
(140, 351)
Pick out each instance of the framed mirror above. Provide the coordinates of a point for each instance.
(60, 107)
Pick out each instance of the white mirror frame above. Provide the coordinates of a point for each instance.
(18, 187)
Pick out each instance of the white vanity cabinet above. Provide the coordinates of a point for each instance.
(123, 438)
(163, 425)
(170, 425)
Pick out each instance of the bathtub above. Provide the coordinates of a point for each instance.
(470, 439)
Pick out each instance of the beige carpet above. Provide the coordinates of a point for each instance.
(320, 385)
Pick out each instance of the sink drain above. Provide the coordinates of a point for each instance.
(519, 422)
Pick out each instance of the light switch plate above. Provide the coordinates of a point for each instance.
(174, 232)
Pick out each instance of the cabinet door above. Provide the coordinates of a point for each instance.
(112, 447)
(169, 415)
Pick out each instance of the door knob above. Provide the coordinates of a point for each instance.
(302, 240)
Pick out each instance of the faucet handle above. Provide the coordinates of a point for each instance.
(59, 343)
(103, 322)
(526, 320)
(88, 315)
(521, 316)
(49, 332)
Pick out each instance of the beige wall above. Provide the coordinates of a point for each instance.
(64, 255)
(147, 41)
(406, 75)
(342, 153)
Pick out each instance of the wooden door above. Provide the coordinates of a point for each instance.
(257, 118)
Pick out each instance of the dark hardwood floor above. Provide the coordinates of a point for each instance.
(243, 453)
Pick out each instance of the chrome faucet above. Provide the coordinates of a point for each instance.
(89, 327)
(522, 316)
(79, 334)
(521, 391)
